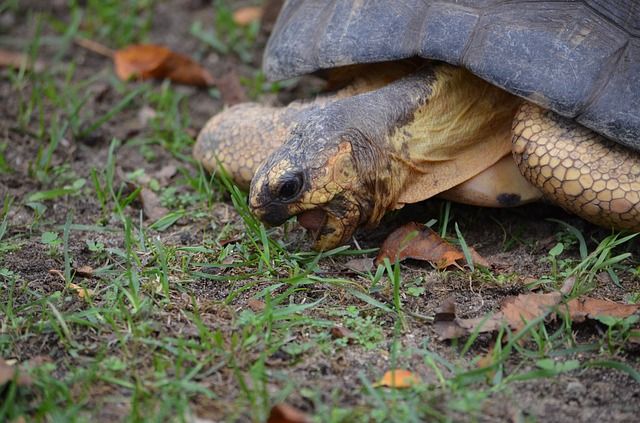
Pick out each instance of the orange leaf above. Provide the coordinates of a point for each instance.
(246, 15)
(398, 378)
(285, 413)
(584, 307)
(146, 61)
(421, 243)
(524, 308)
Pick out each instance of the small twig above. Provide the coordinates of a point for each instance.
(94, 47)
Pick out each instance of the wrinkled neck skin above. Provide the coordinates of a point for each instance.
(353, 159)
(350, 169)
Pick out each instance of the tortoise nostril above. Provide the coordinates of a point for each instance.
(290, 187)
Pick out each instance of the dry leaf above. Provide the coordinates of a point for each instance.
(398, 378)
(418, 242)
(581, 309)
(82, 292)
(149, 61)
(151, 204)
(84, 271)
(478, 259)
(246, 15)
(14, 59)
(339, 332)
(448, 326)
(285, 413)
(8, 373)
(516, 311)
(524, 308)
(231, 89)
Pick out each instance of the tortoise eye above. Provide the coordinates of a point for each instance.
(290, 187)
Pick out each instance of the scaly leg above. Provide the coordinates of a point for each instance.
(578, 169)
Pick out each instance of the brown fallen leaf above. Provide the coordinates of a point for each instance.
(12, 59)
(418, 242)
(581, 309)
(339, 332)
(84, 271)
(8, 373)
(285, 413)
(477, 259)
(448, 326)
(230, 88)
(517, 311)
(151, 204)
(247, 15)
(398, 378)
(150, 61)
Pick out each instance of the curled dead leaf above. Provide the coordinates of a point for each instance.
(247, 15)
(285, 413)
(150, 61)
(584, 308)
(418, 242)
(398, 378)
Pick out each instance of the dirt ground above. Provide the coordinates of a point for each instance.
(516, 243)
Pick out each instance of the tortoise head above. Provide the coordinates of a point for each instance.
(328, 177)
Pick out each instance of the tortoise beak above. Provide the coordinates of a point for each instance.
(267, 210)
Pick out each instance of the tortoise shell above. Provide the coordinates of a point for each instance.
(578, 58)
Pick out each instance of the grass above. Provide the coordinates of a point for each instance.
(206, 311)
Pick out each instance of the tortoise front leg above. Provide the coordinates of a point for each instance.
(241, 137)
(578, 169)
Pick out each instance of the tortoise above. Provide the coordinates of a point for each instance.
(480, 101)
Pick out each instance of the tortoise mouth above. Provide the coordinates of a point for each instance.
(313, 220)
